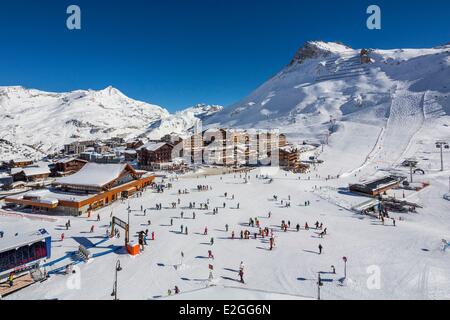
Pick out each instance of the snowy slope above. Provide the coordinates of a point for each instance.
(183, 121)
(383, 101)
(409, 256)
(34, 123)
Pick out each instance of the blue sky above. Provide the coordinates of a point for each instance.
(177, 53)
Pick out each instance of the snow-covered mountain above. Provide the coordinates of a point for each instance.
(182, 121)
(380, 97)
(380, 100)
(34, 123)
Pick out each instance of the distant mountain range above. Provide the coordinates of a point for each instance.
(34, 123)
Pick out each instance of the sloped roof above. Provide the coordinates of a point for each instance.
(23, 239)
(153, 146)
(67, 160)
(94, 174)
(32, 170)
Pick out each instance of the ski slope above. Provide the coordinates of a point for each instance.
(409, 256)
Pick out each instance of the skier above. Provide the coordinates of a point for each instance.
(212, 241)
(226, 227)
(320, 249)
(210, 255)
(98, 217)
(205, 232)
(193, 215)
(232, 234)
(92, 229)
(176, 290)
(62, 237)
(297, 227)
(333, 269)
(181, 215)
(306, 226)
(171, 222)
(141, 240)
(153, 235)
(144, 238)
(241, 275)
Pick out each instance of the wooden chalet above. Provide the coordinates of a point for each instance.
(67, 166)
(378, 186)
(20, 163)
(31, 174)
(152, 153)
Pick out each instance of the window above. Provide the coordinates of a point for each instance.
(28, 253)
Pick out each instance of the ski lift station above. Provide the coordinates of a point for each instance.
(376, 187)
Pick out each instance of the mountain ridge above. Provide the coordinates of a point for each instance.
(34, 123)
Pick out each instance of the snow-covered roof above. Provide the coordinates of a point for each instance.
(41, 196)
(288, 148)
(66, 160)
(94, 174)
(152, 146)
(23, 239)
(31, 171)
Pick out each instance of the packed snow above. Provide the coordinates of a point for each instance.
(367, 120)
(408, 256)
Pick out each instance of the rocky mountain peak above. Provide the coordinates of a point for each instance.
(318, 49)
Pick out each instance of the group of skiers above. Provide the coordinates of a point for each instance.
(176, 290)
(203, 188)
(142, 238)
(184, 191)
